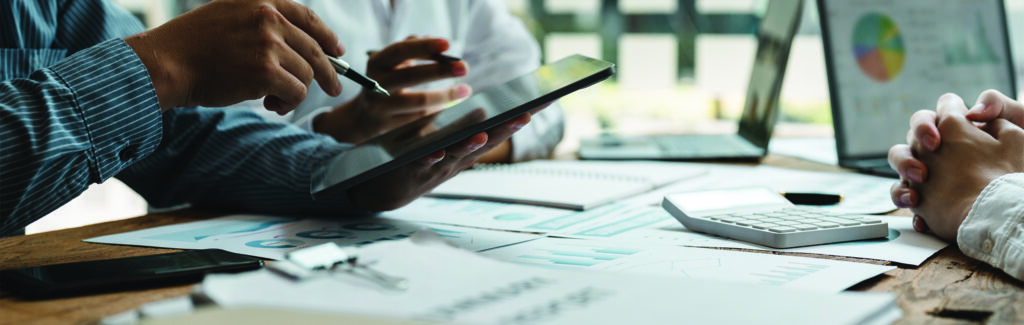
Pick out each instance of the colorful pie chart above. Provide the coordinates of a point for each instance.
(878, 47)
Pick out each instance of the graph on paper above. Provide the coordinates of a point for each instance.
(687, 262)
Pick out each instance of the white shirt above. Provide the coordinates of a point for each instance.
(993, 231)
(493, 42)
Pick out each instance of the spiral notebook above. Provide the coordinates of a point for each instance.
(567, 184)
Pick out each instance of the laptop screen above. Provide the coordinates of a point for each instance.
(774, 38)
(889, 58)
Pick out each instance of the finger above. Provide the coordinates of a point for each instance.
(902, 160)
(423, 73)
(407, 102)
(504, 131)
(462, 153)
(902, 195)
(313, 58)
(295, 65)
(285, 91)
(951, 105)
(950, 117)
(433, 158)
(307, 20)
(395, 54)
(923, 129)
(1004, 130)
(920, 225)
(992, 104)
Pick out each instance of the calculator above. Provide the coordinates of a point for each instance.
(764, 217)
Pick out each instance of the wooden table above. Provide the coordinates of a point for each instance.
(948, 288)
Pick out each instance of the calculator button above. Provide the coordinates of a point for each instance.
(870, 221)
(763, 225)
(827, 224)
(845, 222)
(804, 227)
(743, 222)
(771, 220)
(782, 229)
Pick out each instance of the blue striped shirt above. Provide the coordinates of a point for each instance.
(77, 107)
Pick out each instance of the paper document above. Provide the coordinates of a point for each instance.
(691, 263)
(449, 285)
(567, 184)
(862, 194)
(643, 224)
(271, 237)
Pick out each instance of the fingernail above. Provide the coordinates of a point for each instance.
(458, 69)
(476, 146)
(978, 108)
(517, 126)
(462, 91)
(340, 49)
(337, 88)
(929, 142)
(435, 157)
(915, 174)
(441, 45)
(905, 200)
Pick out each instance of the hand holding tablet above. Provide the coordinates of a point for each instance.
(404, 163)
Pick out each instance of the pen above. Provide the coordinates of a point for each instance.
(344, 69)
(812, 198)
(436, 57)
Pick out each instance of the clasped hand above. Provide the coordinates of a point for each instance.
(952, 154)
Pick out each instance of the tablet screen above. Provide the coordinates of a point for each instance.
(477, 113)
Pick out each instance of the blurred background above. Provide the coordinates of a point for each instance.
(682, 67)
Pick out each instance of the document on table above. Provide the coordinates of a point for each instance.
(649, 225)
(448, 285)
(271, 237)
(691, 263)
(567, 184)
(862, 194)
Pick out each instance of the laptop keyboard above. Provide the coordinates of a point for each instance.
(704, 145)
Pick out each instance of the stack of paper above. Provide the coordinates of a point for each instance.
(445, 284)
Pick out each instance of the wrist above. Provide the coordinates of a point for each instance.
(160, 71)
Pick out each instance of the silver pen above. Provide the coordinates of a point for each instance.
(344, 69)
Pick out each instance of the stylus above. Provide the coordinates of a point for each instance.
(438, 57)
(344, 69)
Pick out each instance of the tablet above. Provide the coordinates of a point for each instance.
(478, 113)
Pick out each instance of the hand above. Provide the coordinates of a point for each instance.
(968, 160)
(990, 105)
(370, 114)
(228, 51)
(404, 184)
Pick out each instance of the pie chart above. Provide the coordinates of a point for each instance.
(878, 47)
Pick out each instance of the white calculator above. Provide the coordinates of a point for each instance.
(764, 217)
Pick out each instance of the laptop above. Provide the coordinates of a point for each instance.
(887, 59)
(750, 142)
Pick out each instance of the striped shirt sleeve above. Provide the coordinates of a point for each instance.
(72, 124)
(234, 159)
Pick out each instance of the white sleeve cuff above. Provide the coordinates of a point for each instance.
(993, 231)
